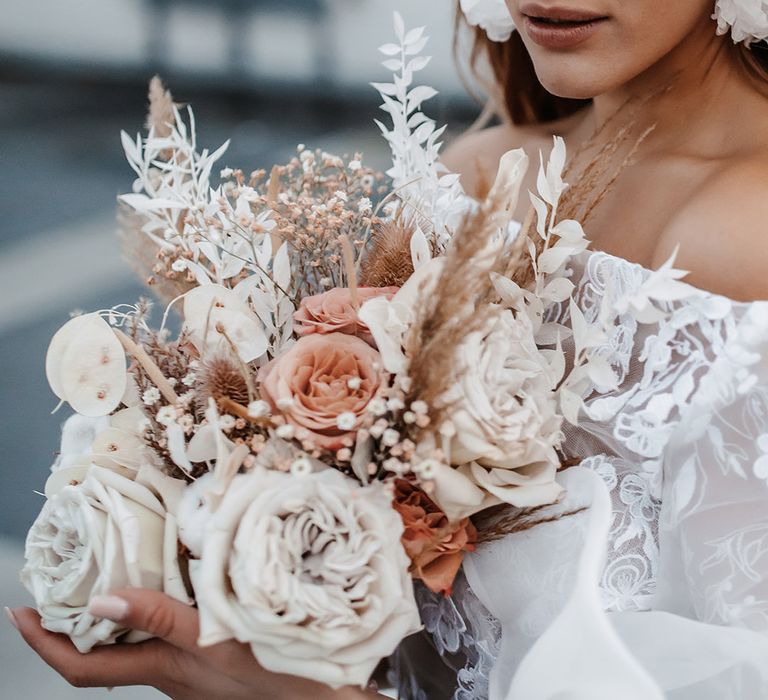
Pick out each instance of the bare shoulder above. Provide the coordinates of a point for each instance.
(475, 155)
(722, 232)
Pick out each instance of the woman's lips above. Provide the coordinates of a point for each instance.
(561, 30)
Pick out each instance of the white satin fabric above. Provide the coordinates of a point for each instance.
(660, 588)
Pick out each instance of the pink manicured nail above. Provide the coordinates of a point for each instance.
(11, 617)
(109, 606)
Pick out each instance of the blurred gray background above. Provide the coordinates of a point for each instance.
(268, 74)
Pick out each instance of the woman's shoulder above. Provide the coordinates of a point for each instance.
(721, 233)
(475, 155)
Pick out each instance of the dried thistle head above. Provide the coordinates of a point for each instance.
(160, 114)
(218, 378)
(388, 263)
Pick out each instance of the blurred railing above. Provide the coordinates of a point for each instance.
(237, 13)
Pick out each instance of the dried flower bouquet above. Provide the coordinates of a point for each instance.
(357, 376)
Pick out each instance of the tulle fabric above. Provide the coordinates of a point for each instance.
(585, 653)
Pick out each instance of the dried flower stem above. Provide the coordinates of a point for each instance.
(348, 255)
(272, 193)
(149, 366)
(229, 406)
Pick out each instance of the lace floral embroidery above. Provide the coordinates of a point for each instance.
(675, 376)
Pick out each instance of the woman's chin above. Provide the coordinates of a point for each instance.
(573, 83)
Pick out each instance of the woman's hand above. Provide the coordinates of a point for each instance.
(173, 662)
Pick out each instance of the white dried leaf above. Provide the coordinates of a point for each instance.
(558, 290)
(420, 251)
(413, 36)
(399, 27)
(417, 47)
(552, 259)
(281, 268)
(390, 49)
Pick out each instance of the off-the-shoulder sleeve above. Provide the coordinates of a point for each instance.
(706, 637)
(714, 519)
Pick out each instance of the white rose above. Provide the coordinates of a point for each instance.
(309, 571)
(503, 413)
(105, 533)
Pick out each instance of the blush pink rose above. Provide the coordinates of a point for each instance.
(333, 312)
(320, 378)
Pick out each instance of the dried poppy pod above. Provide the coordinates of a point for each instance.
(219, 321)
(86, 366)
(113, 448)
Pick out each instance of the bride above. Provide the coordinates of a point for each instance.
(658, 586)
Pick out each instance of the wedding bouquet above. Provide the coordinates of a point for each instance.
(362, 367)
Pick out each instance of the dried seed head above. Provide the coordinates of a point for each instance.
(160, 115)
(388, 262)
(219, 378)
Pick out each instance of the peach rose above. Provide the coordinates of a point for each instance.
(333, 312)
(435, 546)
(323, 385)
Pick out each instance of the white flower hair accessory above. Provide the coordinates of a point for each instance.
(491, 15)
(746, 19)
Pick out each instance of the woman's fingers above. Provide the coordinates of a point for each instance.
(176, 623)
(147, 663)
(151, 612)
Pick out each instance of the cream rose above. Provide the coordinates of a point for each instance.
(92, 537)
(504, 424)
(333, 312)
(320, 383)
(309, 571)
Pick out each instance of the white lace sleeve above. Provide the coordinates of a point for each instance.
(707, 635)
(714, 521)
(659, 588)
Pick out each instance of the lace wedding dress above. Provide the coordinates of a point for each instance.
(659, 588)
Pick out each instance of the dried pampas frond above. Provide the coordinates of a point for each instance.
(160, 115)
(588, 187)
(500, 521)
(484, 180)
(388, 263)
(145, 258)
(496, 522)
(221, 378)
(457, 306)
